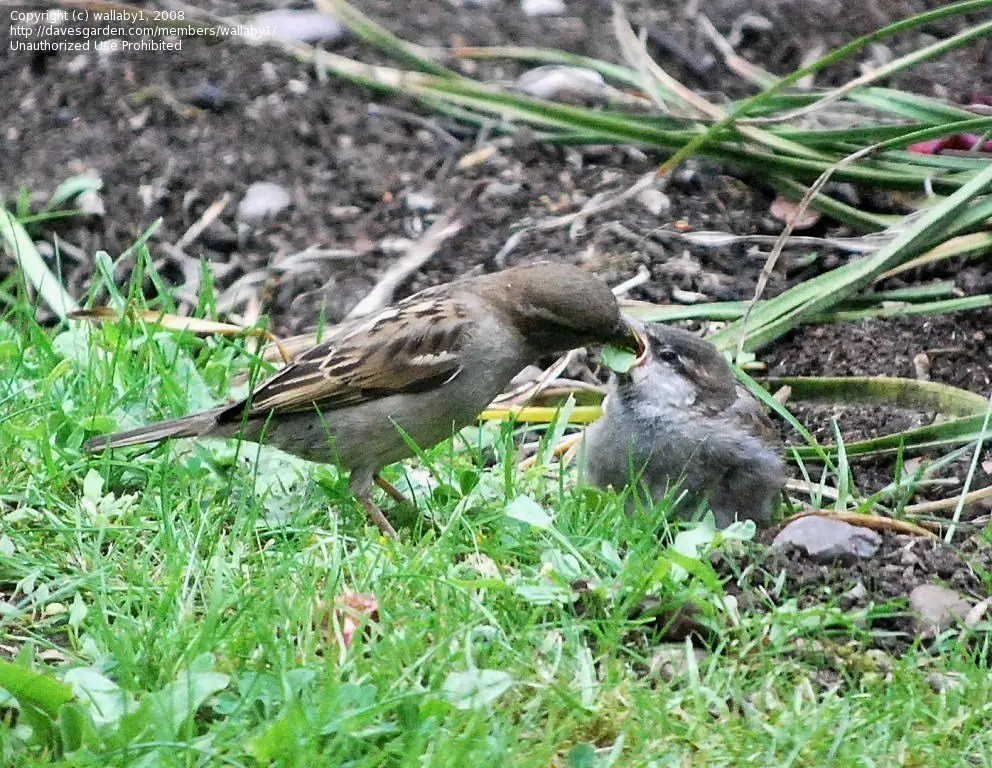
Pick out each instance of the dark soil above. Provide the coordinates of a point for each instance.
(955, 345)
(875, 590)
(349, 165)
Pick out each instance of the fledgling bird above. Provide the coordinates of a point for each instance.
(428, 364)
(679, 416)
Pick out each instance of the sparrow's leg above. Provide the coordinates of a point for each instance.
(361, 486)
(376, 516)
(390, 490)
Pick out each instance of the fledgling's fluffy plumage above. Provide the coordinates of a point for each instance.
(428, 364)
(680, 417)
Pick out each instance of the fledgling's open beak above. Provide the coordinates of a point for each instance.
(629, 350)
(642, 349)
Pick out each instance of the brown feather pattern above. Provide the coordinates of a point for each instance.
(370, 358)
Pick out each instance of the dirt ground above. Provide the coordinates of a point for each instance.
(872, 588)
(351, 162)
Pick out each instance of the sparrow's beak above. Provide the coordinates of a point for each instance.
(638, 341)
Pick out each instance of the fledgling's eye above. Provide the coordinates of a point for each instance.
(668, 356)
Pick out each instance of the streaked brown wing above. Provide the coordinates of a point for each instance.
(412, 347)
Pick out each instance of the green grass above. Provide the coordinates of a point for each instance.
(175, 606)
(184, 598)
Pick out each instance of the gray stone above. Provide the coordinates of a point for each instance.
(543, 7)
(941, 683)
(498, 189)
(344, 212)
(976, 614)
(90, 202)
(207, 95)
(656, 201)
(857, 592)
(420, 202)
(824, 539)
(558, 82)
(263, 200)
(78, 64)
(670, 661)
(908, 557)
(938, 608)
(306, 26)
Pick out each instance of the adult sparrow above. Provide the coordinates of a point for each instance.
(679, 417)
(427, 365)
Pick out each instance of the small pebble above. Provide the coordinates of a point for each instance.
(670, 661)
(687, 175)
(395, 245)
(420, 202)
(206, 95)
(297, 87)
(556, 82)
(110, 49)
(656, 201)
(908, 557)
(90, 202)
(688, 297)
(263, 200)
(535, 8)
(269, 73)
(64, 116)
(938, 608)
(305, 26)
(857, 592)
(824, 539)
(344, 212)
(78, 64)
(499, 189)
(941, 683)
(976, 614)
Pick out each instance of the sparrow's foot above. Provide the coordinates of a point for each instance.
(376, 516)
(390, 490)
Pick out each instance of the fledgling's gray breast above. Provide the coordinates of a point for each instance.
(705, 434)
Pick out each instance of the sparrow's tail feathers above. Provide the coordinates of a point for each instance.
(189, 426)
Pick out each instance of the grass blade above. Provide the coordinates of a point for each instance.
(779, 315)
(882, 390)
(19, 244)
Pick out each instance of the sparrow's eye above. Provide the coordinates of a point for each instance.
(668, 356)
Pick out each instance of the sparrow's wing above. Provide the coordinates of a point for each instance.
(752, 417)
(412, 347)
